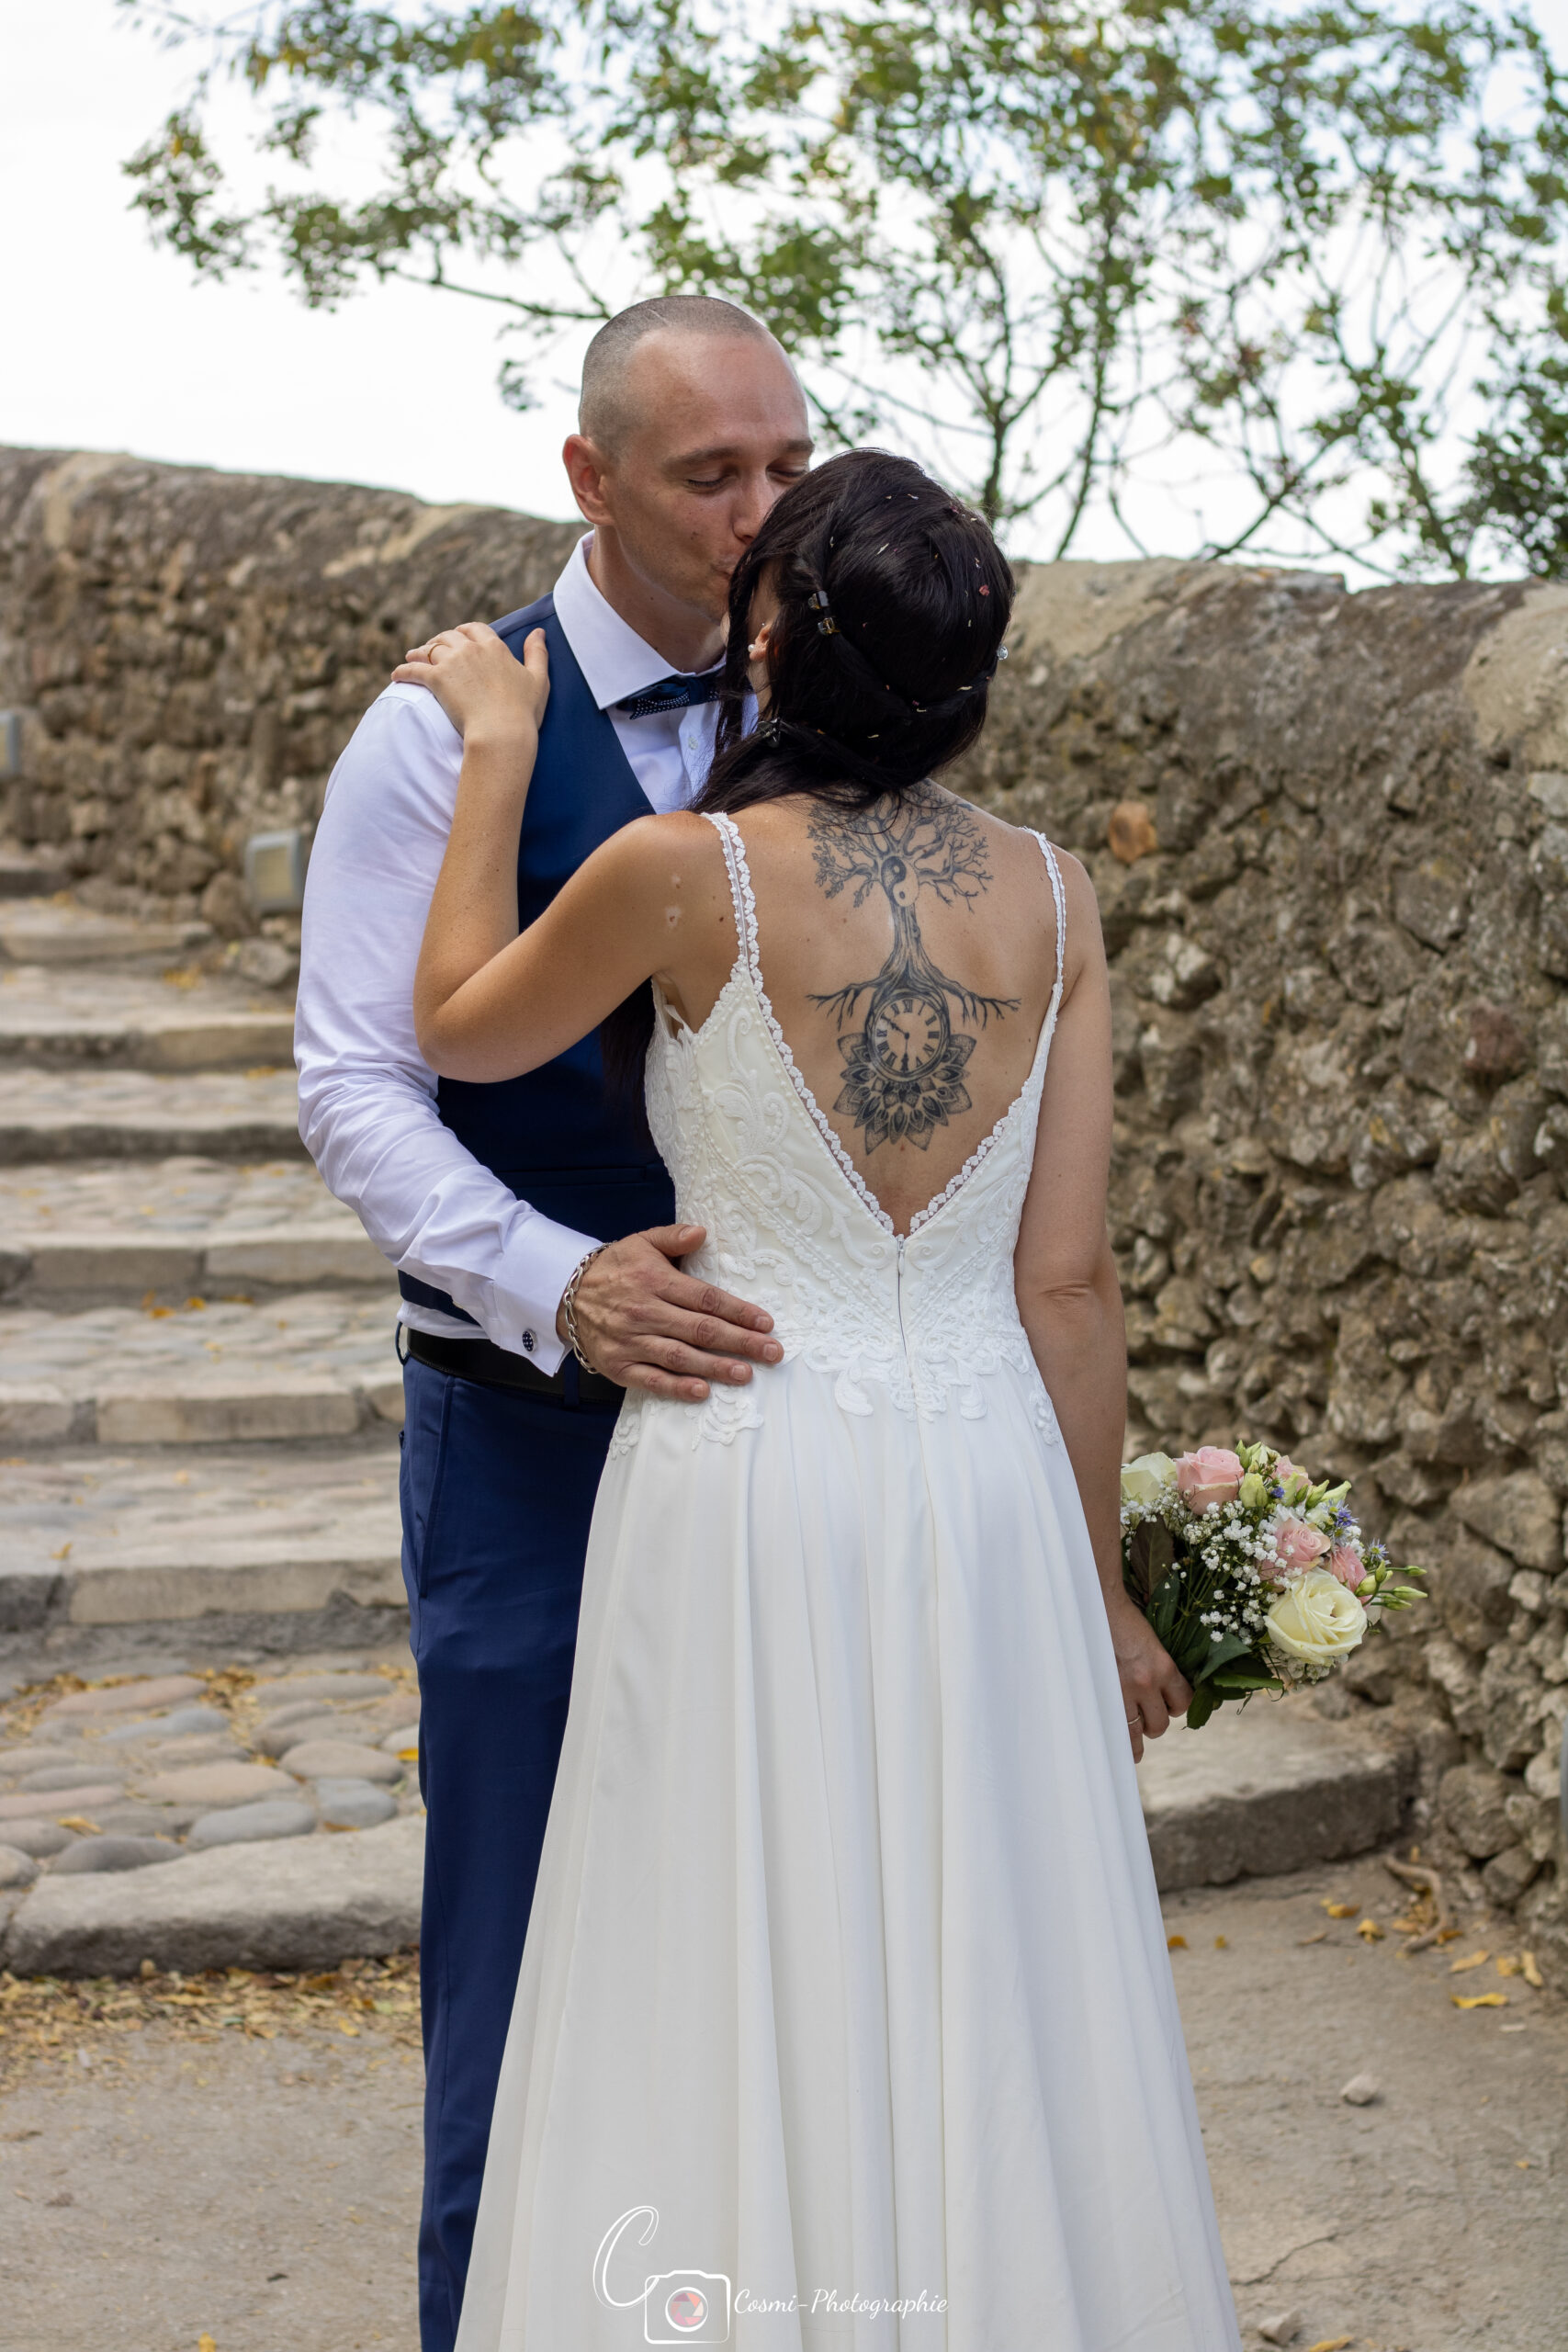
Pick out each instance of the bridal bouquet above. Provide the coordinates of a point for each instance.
(1254, 1577)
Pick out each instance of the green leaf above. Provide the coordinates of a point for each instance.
(1205, 1699)
(1221, 1653)
(1147, 1556)
(1162, 1609)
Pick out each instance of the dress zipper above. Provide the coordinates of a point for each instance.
(898, 1241)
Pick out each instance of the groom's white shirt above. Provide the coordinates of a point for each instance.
(367, 1112)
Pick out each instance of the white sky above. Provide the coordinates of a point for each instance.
(107, 343)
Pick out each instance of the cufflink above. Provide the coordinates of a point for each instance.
(530, 1342)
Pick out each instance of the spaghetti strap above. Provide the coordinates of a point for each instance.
(1059, 900)
(742, 899)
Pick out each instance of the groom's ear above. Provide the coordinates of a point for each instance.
(586, 467)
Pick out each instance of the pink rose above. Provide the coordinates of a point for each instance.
(1297, 1545)
(1347, 1566)
(1213, 1474)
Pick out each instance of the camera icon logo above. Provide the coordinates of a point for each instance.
(678, 2306)
(687, 2307)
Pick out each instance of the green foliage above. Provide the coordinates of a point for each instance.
(1294, 249)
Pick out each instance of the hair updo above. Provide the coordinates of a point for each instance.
(893, 603)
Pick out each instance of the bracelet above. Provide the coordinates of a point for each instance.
(569, 1304)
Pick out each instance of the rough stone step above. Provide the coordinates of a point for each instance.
(87, 1114)
(178, 1041)
(25, 875)
(70, 1016)
(1268, 1788)
(58, 931)
(308, 1365)
(174, 1227)
(293, 1903)
(264, 1540)
(329, 1251)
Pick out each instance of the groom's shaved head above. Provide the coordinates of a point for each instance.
(606, 408)
(692, 423)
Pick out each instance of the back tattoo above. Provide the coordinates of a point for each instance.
(904, 1064)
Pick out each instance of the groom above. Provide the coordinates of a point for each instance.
(492, 1199)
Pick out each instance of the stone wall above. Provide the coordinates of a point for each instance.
(1337, 915)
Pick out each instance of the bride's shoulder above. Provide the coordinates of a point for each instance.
(647, 845)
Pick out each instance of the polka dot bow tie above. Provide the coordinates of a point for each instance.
(674, 694)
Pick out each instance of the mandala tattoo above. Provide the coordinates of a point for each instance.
(904, 1064)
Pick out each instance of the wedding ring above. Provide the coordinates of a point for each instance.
(1133, 1719)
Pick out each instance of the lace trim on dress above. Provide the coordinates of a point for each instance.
(745, 901)
(1037, 1070)
(746, 926)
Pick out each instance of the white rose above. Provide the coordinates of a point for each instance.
(1317, 1620)
(1149, 1479)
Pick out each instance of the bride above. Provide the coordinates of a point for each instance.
(845, 2016)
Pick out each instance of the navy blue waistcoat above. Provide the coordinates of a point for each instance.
(555, 1136)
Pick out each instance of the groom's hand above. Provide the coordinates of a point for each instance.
(643, 1322)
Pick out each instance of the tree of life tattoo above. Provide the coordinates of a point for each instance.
(904, 1064)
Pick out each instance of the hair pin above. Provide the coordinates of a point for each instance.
(824, 610)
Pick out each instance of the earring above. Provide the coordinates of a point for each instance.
(755, 653)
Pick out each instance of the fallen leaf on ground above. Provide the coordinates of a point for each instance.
(1332, 2344)
(80, 1822)
(1370, 1931)
(1340, 1910)
(1320, 1938)
(1507, 1965)
(1533, 1975)
(1450, 1935)
(1175, 1944)
(1475, 1959)
(1222, 1943)
(1480, 2001)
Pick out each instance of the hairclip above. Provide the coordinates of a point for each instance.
(770, 731)
(824, 610)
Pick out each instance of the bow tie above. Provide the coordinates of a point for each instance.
(672, 693)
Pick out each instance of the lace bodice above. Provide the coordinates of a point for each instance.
(922, 1321)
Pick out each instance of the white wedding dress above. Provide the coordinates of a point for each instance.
(846, 1986)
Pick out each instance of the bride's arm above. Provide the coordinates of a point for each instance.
(1070, 1301)
(490, 1003)
(495, 702)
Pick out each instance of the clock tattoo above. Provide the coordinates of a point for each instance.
(904, 1064)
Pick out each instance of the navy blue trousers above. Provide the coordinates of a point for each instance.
(497, 1493)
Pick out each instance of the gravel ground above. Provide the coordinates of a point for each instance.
(196, 2178)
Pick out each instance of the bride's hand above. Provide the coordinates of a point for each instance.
(1153, 1691)
(485, 691)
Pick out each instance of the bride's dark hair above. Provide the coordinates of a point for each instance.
(893, 603)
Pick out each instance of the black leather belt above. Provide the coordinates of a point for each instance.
(493, 1367)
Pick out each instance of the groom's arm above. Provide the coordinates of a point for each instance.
(368, 1109)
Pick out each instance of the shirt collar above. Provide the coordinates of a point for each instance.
(613, 659)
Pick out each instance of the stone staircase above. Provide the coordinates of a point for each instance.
(198, 1393)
